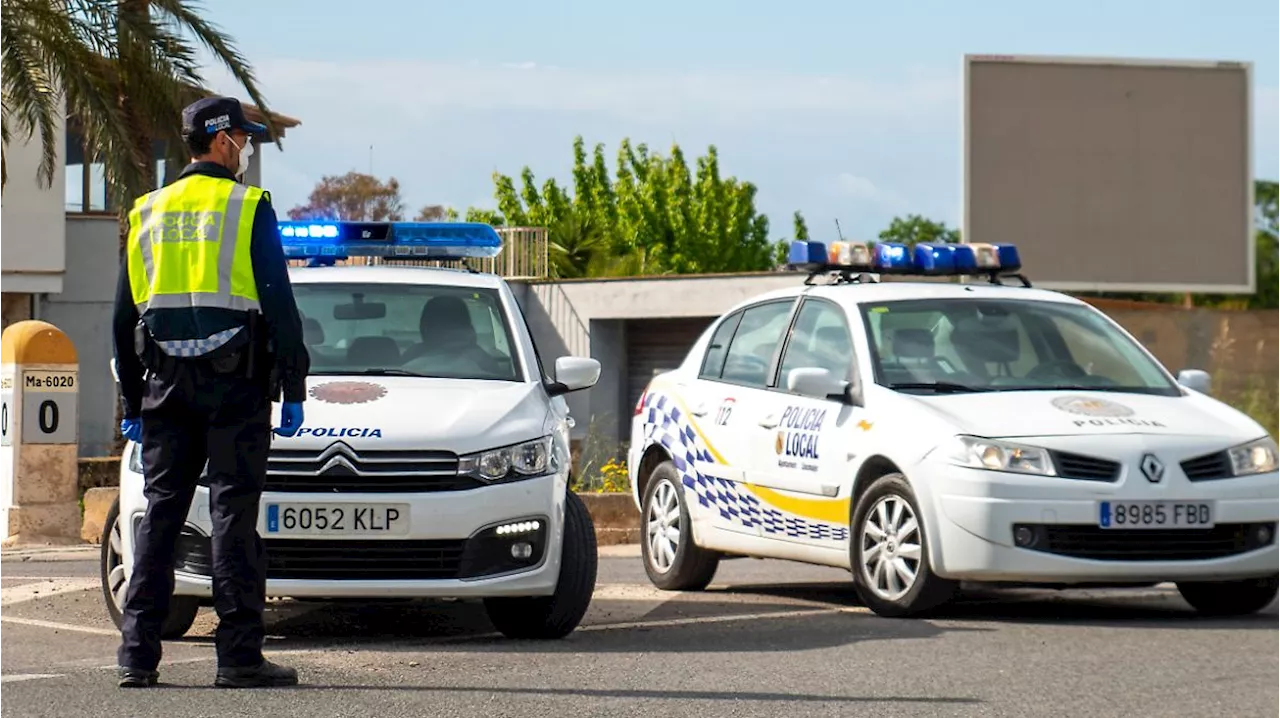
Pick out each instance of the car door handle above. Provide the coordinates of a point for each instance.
(769, 421)
(700, 410)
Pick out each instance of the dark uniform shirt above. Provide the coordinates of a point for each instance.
(275, 295)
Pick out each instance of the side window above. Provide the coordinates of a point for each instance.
(751, 350)
(718, 347)
(820, 339)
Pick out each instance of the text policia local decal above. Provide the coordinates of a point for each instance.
(798, 436)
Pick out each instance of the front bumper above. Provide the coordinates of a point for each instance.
(976, 515)
(450, 548)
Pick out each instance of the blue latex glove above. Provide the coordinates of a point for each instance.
(131, 429)
(290, 419)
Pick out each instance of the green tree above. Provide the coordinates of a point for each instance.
(121, 70)
(653, 214)
(914, 228)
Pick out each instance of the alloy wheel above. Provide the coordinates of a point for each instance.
(890, 552)
(664, 527)
(117, 583)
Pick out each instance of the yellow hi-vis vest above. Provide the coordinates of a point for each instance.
(188, 248)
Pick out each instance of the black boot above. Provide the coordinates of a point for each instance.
(266, 675)
(137, 677)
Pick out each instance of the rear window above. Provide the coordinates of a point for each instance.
(436, 331)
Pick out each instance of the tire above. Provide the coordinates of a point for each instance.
(1229, 598)
(555, 616)
(688, 567)
(182, 609)
(915, 589)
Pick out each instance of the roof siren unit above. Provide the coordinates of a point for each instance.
(854, 262)
(323, 243)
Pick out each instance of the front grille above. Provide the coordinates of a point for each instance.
(340, 469)
(354, 559)
(1088, 468)
(336, 560)
(1208, 467)
(1092, 542)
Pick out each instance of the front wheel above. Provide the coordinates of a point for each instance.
(1230, 598)
(889, 552)
(182, 609)
(557, 615)
(672, 560)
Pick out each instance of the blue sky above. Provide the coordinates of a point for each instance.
(843, 110)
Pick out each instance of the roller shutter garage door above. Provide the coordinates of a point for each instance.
(658, 345)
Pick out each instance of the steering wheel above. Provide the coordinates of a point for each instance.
(1061, 368)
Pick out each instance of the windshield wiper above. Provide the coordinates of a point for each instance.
(370, 372)
(941, 387)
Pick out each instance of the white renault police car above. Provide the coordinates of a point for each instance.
(434, 460)
(922, 434)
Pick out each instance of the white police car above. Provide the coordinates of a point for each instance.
(923, 434)
(434, 459)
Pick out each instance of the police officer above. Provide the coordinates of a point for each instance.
(206, 332)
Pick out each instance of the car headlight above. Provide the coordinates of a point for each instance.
(993, 455)
(530, 458)
(1255, 457)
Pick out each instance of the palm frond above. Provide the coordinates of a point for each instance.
(186, 16)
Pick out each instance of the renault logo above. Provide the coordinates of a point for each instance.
(1152, 468)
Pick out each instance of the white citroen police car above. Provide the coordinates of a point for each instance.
(434, 459)
(923, 434)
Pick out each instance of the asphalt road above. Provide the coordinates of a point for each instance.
(768, 639)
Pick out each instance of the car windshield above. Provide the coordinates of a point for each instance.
(406, 330)
(963, 345)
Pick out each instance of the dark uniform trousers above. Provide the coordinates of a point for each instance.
(193, 412)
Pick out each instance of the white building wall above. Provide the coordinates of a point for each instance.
(32, 233)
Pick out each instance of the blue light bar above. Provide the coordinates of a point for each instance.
(397, 240)
(923, 259)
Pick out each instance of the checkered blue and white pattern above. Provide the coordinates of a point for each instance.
(665, 424)
(197, 347)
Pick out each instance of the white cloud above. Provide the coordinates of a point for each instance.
(417, 88)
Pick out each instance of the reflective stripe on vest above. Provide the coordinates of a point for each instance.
(189, 246)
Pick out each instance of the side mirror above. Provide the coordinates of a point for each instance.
(1194, 379)
(574, 374)
(816, 383)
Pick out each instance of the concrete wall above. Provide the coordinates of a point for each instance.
(83, 310)
(33, 253)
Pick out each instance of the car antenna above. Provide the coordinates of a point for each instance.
(838, 232)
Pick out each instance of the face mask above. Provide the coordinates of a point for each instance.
(245, 153)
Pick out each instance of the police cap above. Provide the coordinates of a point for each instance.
(212, 115)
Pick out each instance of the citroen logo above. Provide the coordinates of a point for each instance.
(338, 455)
(1152, 468)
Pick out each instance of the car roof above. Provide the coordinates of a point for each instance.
(853, 294)
(394, 274)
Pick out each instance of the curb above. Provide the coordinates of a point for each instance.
(615, 516)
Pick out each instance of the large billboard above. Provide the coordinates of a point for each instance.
(1112, 175)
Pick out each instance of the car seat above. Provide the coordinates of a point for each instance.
(373, 352)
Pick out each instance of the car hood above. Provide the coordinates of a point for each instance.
(1076, 413)
(458, 415)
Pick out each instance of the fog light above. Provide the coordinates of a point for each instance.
(1264, 535)
(521, 527)
(521, 550)
(1023, 536)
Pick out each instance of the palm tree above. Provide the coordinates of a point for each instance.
(121, 70)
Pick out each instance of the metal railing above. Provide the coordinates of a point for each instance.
(525, 255)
